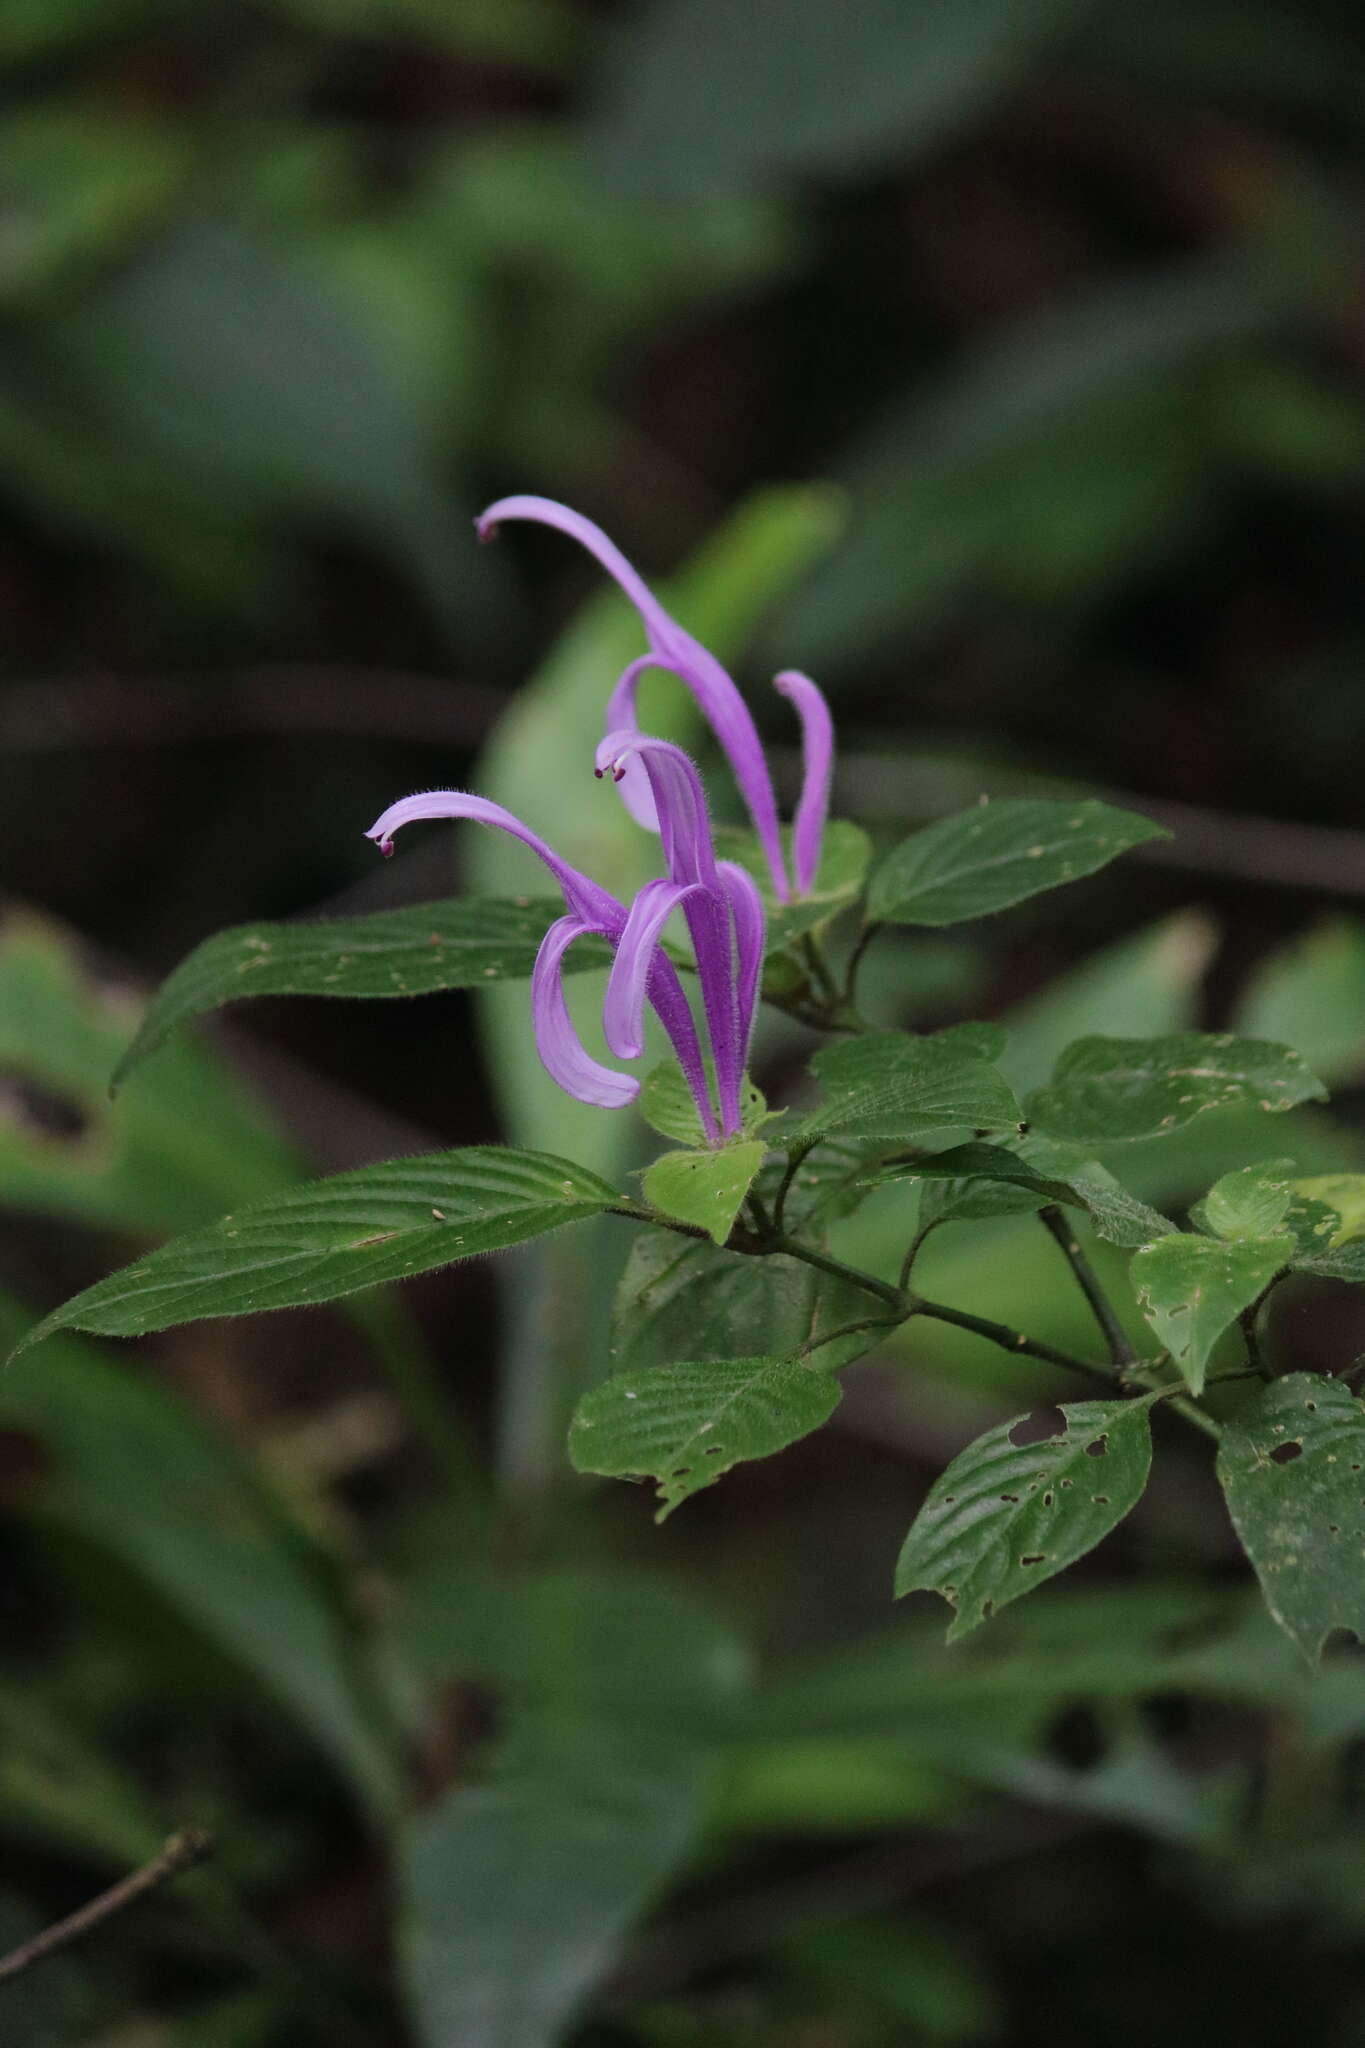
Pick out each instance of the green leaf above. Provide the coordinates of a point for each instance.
(680, 1297)
(1005, 1516)
(888, 1084)
(844, 857)
(1345, 1262)
(1344, 1193)
(1252, 1202)
(683, 1425)
(1117, 1216)
(137, 1473)
(1292, 1468)
(332, 1237)
(1191, 1289)
(1107, 1088)
(1261, 1200)
(706, 1188)
(990, 1163)
(169, 1154)
(666, 1104)
(997, 854)
(462, 943)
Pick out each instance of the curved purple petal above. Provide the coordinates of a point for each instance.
(817, 747)
(746, 909)
(590, 902)
(720, 702)
(623, 1011)
(562, 1052)
(679, 800)
(636, 794)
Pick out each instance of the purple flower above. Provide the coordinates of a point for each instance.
(722, 908)
(724, 915)
(721, 704)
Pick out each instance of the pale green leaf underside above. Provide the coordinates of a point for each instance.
(1003, 1517)
(332, 1237)
(683, 1425)
(1292, 1468)
(705, 1188)
(1108, 1088)
(997, 854)
(1191, 1289)
(894, 1086)
(667, 1104)
(464, 942)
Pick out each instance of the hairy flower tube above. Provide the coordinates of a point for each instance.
(719, 901)
(716, 906)
(675, 650)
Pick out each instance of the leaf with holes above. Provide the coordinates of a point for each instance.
(844, 857)
(888, 1084)
(1342, 1192)
(997, 854)
(1105, 1088)
(318, 1242)
(1292, 1469)
(1261, 1201)
(1006, 1515)
(684, 1425)
(1191, 1289)
(463, 943)
(705, 1188)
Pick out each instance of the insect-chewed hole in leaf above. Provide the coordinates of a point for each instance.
(715, 1451)
(1039, 1557)
(1311, 1406)
(1048, 1499)
(1009, 1496)
(1101, 1500)
(1099, 1448)
(1038, 1427)
(1334, 1528)
(1285, 1454)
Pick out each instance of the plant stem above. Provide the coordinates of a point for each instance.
(1121, 1351)
(796, 1159)
(190, 1846)
(855, 960)
(894, 1297)
(850, 1329)
(1011, 1340)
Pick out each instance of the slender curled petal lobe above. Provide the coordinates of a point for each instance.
(592, 910)
(672, 648)
(817, 751)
